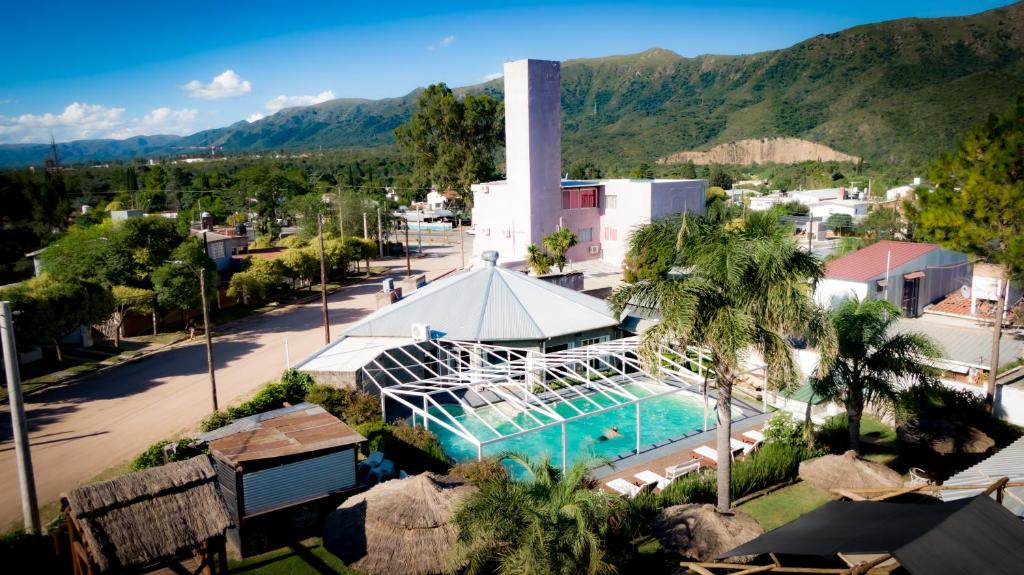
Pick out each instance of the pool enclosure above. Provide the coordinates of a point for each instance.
(487, 394)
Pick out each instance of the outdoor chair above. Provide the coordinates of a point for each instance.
(623, 487)
(919, 476)
(740, 447)
(708, 453)
(651, 478)
(674, 472)
(754, 436)
(383, 472)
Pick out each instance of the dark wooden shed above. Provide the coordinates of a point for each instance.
(281, 471)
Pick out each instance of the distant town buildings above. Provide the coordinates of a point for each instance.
(535, 201)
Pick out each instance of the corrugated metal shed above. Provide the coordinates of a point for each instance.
(1007, 462)
(303, 428)
(489, 303)
(869, 262)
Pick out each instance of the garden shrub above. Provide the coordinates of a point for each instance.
(834, 434)
(354, 407)
(774, 463)
(413, 449)
(291, 242)
(477, 472)
(153, 456)
(785, 429)
(291, 389)
(261, 242)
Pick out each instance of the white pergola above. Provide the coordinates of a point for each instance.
(426, 376)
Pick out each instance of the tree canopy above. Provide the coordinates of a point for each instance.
(453, 141)
(177, 282)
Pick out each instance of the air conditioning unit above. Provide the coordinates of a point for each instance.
(595, 249)
(420, 332)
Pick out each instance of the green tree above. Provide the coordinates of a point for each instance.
(176, 282)
(302, 264)
(34, 212)
(652, 250)
(51, 308)
(642, 172)
(840, 223)
(720, 178)
(882, 224)
(129, 300)
(252, 283)
(558, 244)
(872, 365)
(688, 171)
(547, 524)
(977, 205)
(747, 288)
(453, 142)
(584, 170)
(538, 260)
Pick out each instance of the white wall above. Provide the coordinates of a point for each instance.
(832, 291)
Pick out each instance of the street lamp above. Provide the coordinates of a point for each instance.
(19, 425)
(206, 327)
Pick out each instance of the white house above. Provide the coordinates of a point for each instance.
(856, 209)
(901, 192)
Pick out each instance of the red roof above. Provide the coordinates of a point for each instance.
(870, 262)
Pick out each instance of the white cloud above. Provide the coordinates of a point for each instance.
(281, 102)
(254, 117)
(492, 76)
(444, 43)
(81, 120)
(228, 84)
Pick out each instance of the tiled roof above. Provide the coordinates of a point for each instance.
(870, 262)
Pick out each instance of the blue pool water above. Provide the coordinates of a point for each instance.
(661, 418)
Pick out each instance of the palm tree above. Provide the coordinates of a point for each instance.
(558, 244)
(550, 523)
(746, 286)
(538, 260)
(872, 364)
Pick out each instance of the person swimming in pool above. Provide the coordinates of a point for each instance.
(610, 434)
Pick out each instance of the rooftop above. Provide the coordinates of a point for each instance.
(871, 261)
(489, 303)
(1007, 462)
(301, 428)
(963, 341)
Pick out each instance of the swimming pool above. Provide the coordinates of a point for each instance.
(661, 418)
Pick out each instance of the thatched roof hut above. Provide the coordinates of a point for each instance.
(699, 532)
(848, 471)
(146, 518)
(399, 526)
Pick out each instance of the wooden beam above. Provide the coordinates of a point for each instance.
(698, 569)
(758, 569)
(898, 492)
(850, 494)
(865, 567)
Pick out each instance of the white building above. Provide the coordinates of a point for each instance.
(856, 209)
(534, 201)
(901, 192)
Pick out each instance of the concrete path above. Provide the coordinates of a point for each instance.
(79, 430)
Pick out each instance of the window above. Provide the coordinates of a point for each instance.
(611, 234)
(588, 198)
(611, 202)
(216, 250)
(586, 234)
(565, 199)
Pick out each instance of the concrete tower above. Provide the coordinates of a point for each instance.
(533, 145)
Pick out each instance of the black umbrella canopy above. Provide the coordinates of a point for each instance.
(967, 536)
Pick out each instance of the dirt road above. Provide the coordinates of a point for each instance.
(79, 430)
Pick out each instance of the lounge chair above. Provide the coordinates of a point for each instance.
(754, 436)
(740, 447)
(651, 478)
(383, 472)
(707, 452)
(623, 487)
(674, 472)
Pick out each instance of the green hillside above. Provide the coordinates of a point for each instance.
(896, 92)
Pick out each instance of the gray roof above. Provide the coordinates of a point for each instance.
(1007, 462)
(963, 341)
(489, 303)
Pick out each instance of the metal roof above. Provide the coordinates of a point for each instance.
(870, 262)
(489, 303)
(964, 342)
(1007, 462)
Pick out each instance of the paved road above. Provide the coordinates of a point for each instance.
(79, 430)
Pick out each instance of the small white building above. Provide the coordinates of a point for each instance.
(767, 202)
(436, 200)
(856, 209)
(902, 192)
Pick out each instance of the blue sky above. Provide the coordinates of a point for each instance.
(113, 69)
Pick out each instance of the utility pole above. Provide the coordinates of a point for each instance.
(408, 267)
(209, 337)
(341, 219)
(323, 280)
(419, 232)
(366, 232)
(462, 242)
(19, 427)
(380, 235)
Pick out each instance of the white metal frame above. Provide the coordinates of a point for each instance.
(417, 375)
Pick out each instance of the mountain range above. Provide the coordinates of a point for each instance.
(897, 92)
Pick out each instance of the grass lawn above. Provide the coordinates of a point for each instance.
(785, 505)
(308, 557)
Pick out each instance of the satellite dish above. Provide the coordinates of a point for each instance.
(965, 291)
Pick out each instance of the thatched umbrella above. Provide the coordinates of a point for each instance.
(967, 439)
(700, 533)
(847, 471)
(399, 526)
